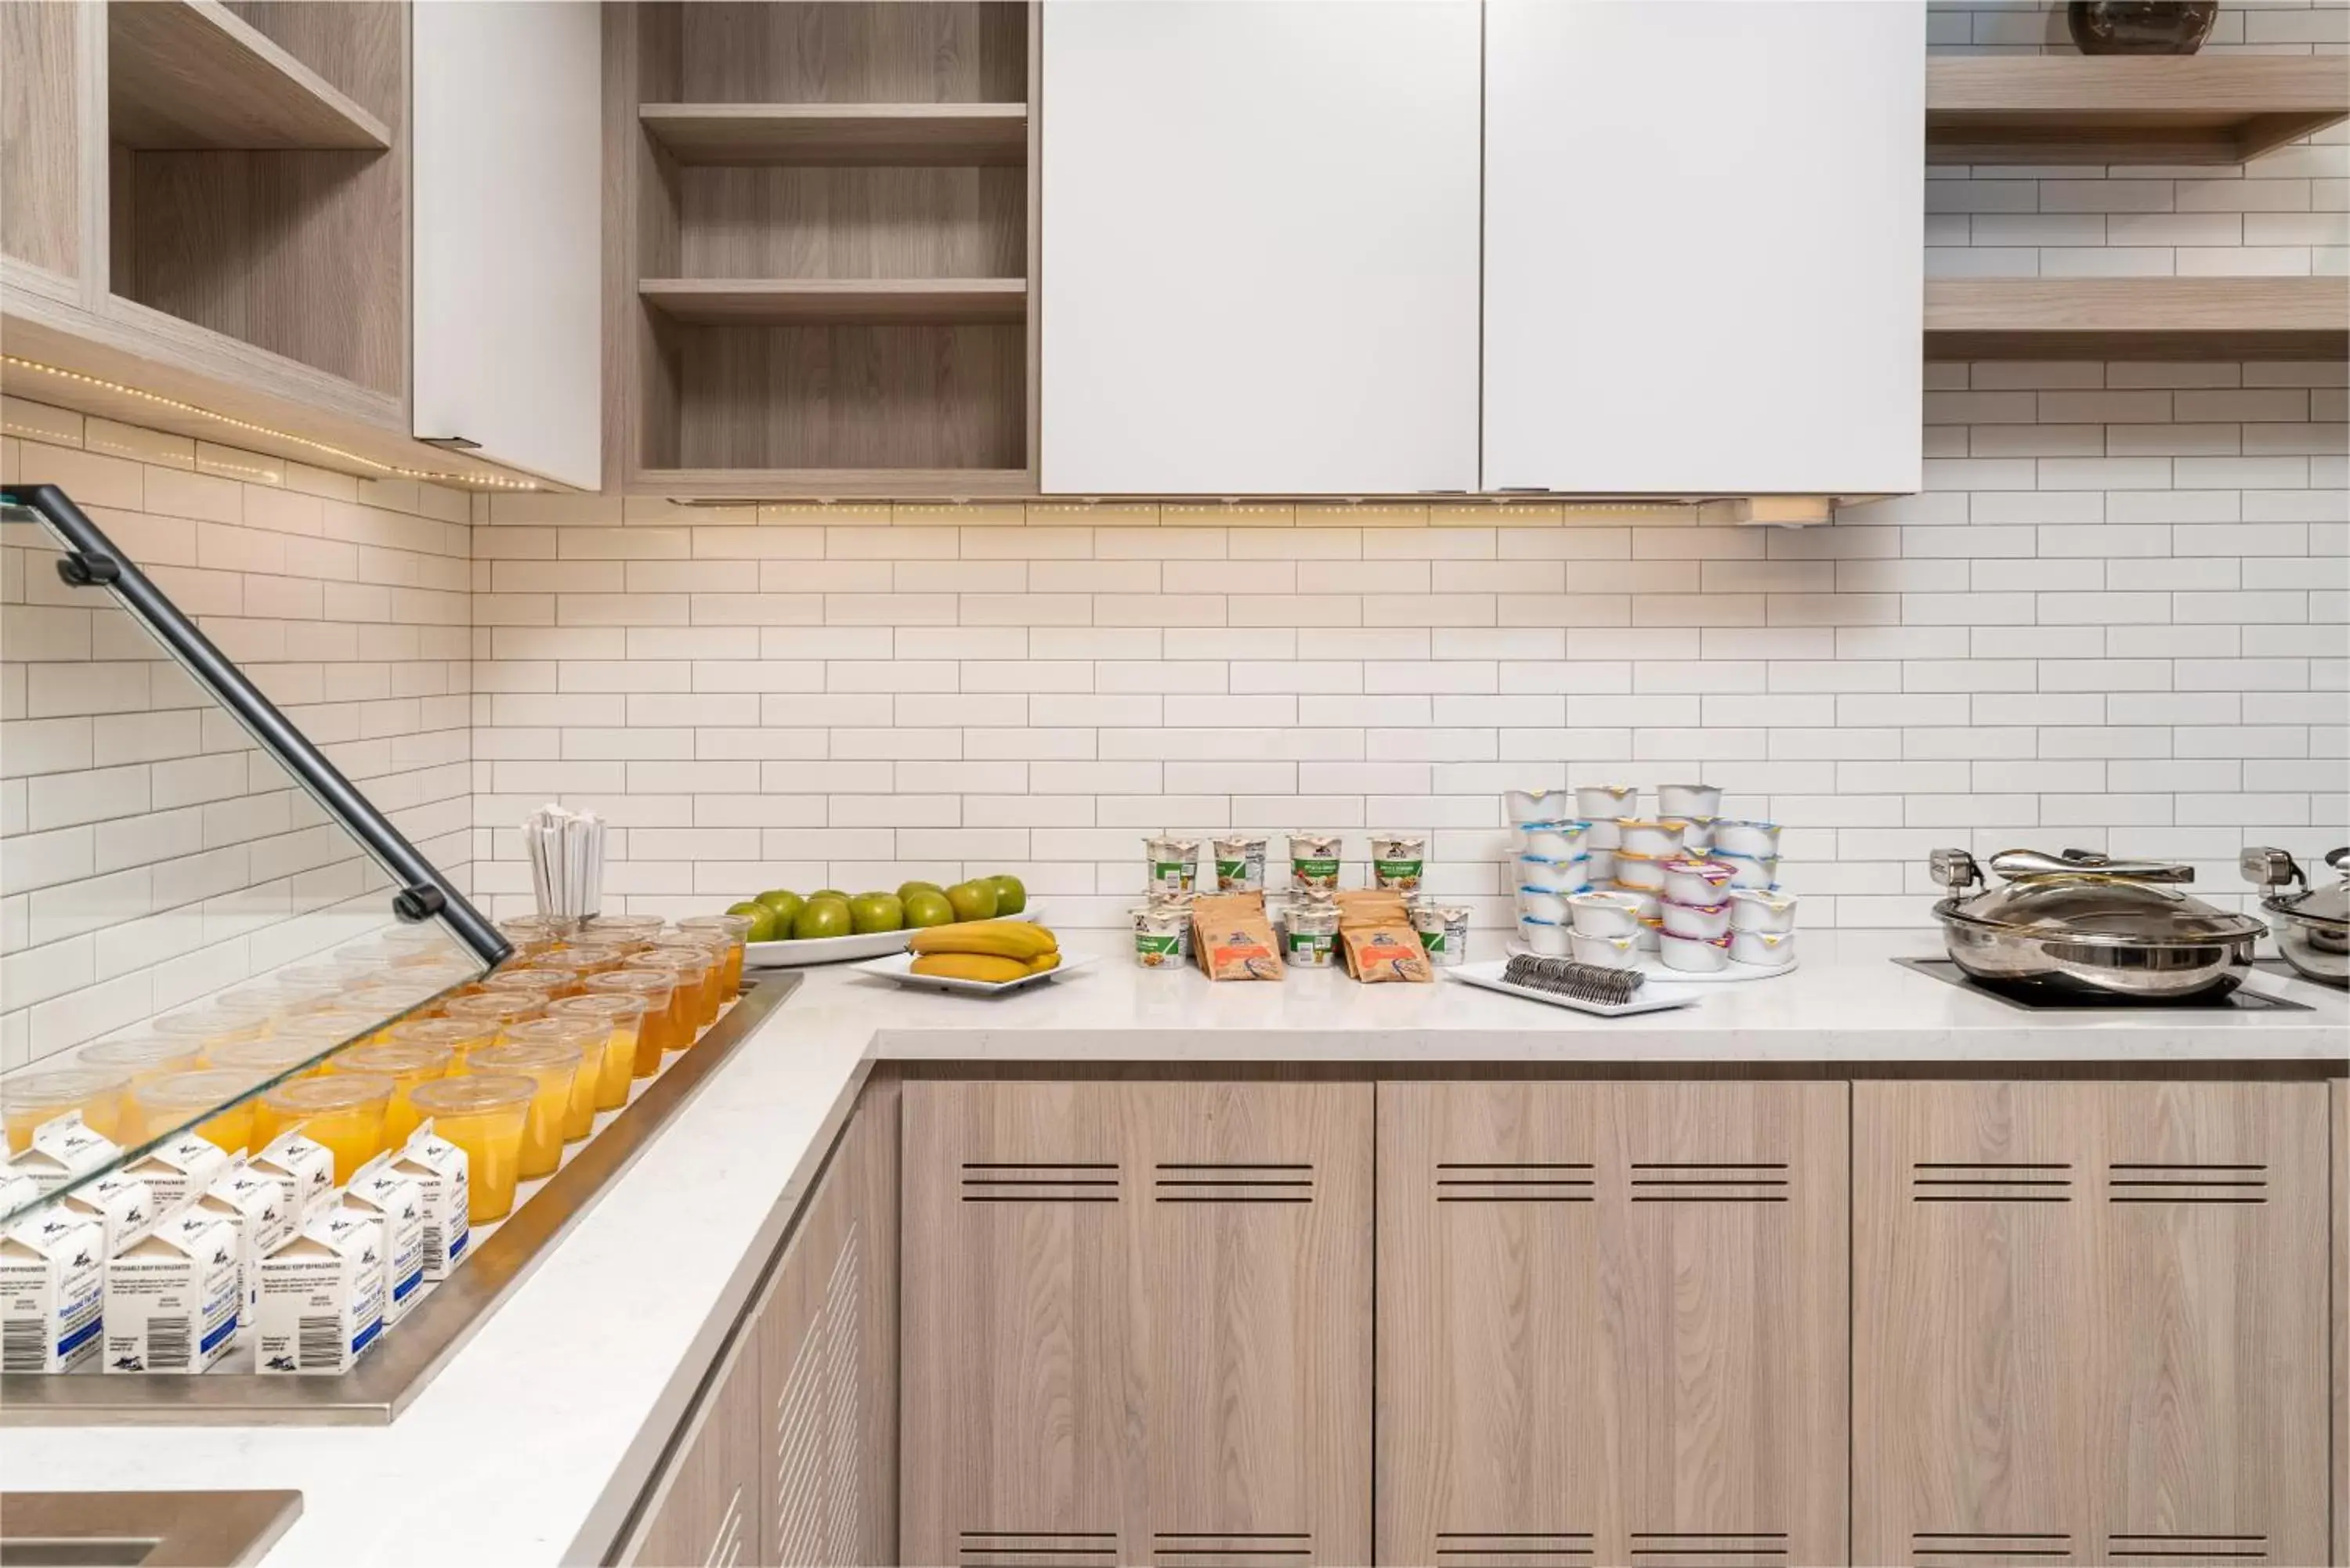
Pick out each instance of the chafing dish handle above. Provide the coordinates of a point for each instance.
(2271, 869)
(2012, 863)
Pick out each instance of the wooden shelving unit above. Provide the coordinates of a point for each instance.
(2072, 109)
(839, 301)
(844, 135)
(192, 74)
(818, 258)
(2138, 318)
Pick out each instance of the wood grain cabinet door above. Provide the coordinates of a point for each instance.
(1136, 1323)
(1611, 1325)
(706, 1515)
(2090, 1323)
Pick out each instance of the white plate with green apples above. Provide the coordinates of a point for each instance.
(872, 925)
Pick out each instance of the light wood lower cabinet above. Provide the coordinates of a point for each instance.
(1136, 1323)
(705, 1509)
(2090, 1323)
(1611, 1325)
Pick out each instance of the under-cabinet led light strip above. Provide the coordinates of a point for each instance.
(487, 480)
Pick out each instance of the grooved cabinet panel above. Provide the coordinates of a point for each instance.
(2089, 1323)
(1138, 1324)
(708, 1511)
(1611, 1324)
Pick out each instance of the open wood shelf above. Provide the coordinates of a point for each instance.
(719, 484)
(919, 134)
(191, 74)
(2137, 318)
(2070, 108)
(838, 302)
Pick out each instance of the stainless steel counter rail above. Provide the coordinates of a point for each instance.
(142, 1529)
(92, 561)
(408, 1356)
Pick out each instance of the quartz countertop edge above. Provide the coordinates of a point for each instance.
(531, 1447)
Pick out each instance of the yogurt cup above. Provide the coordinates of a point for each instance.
(1697, 833)
(1751, 870)
(1173, 864)
(1693, 880)
(1398, 862)
(1610, 952)
(1533, 804)
(1556, 875)
(1764, 950)
(1543, 904)
(1559, 839)
(1738, 836)
(1603, 834)
(1689, 800)
(1702, 921)
(1645, 872)
(1544, 937)
(1609, 801)
(1694, 956)
(1161, 935)
(1643, 836)
(1313, 860)
(1240, 863)
(1604, 914)
(1600, 864)
(1762, 909)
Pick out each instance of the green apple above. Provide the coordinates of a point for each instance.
(877, 913)
(1011, 895)
(835, 894)
(821, 918)
(928, 906)
(972, 900)
(907, 890)
(766, 924)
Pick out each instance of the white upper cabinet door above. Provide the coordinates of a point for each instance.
(1260, 246)
(1704, 246)
(508, 150)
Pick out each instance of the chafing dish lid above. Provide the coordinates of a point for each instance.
(2083, 894)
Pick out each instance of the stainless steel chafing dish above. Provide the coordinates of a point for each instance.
(2312, 926)
(2084, 924)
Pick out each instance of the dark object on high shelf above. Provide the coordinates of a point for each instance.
(92, 561)
(2140, 27)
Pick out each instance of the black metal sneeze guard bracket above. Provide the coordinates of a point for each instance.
(412, 1353)
(93, 561)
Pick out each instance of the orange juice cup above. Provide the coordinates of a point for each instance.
(31, 1100)
(699, 974)
(142, 1056)
(175, 1099)
(688, 973)
(557, 972)
(484, 1115)
(553, 1069)
(585, 1038)
(520, 980)
(209, 1027)
(734, 931)
(264, 1059)
(406, 1065)
(660, 1031)
(320, 1030)
(492, 1010)
(458, 1036)
(345, 1112)
(621, 1014)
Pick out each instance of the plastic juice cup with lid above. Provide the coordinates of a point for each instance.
(559, 973)
(520, 979)
(323, 1028)
(407, 1064)
(209, 1027)
(659, 1030)
(176, 1098)
(620, 1014)
(458, 1036)
(552, 1069)
(143, 1056)
(346, 1112)
(604, 928)
(594, 958)
(736, 931)
(490, 1011)
(32, 1099)
(585, 1038)
(483, 1114)
(698, 971)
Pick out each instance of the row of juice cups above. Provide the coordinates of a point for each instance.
(524, 1058)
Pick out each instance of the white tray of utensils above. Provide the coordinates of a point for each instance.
(1563, 983)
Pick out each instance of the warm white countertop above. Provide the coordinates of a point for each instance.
(509, 1457)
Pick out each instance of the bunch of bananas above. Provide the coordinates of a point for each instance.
(990, 950)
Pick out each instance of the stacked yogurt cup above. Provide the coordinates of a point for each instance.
(1695, 889)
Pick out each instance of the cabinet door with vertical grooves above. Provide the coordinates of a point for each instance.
(1611, 1325)
(707, 1508)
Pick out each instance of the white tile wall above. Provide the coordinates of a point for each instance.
(2115, 619)
(2285, 213)
(149, 852)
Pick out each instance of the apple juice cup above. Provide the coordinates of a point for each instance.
(657, 1032)
(621, 1014)
(687, 948)
(483, 1114)
(490, 1011)
(585, 1038)
(690, 970)
(734, 931)
(552, 1069)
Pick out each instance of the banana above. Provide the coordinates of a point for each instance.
(997, 938)
(1039, 965)
(986, 967)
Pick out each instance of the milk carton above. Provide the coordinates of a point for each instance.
(304, 1171)
(120, 1202)
(17, 1191)
(62, 1151)
(255, 1205)
(439, 1168)
(179, 1170)
(171, 1299)
(396, 1200)
(322, 1296)
(52, 1290)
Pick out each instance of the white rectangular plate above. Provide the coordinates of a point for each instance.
(900, 967)
(1651, 998)
(837, 949)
